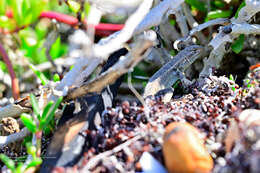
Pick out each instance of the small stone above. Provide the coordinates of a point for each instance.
(184, 150)
(9, 126)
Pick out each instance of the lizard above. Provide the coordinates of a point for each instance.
(173, 71)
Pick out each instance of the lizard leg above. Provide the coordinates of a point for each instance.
(185, 82)
(165, 94)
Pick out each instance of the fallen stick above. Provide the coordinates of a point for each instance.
(120, 68)
(5, 140)
(13, 110)
(94, 161)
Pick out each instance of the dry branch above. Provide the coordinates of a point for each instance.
(193, 23)
(125, 63)
(94, 161)
(5, 140)
(12, 110)
(155, 16)
(219, 41)
(124, 35)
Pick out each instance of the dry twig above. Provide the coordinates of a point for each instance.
(5, 140)
(125, 63)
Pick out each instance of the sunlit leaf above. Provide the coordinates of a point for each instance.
(74, 6)
(28, 122)
(51, 112)
(35, 105)
(45, 113)
(239, 8)
(31, 149)
(39, 74)
(199, 5)
(56, 77)
(8, 162)
(35, 162)
(237, 46)
(2, 7)
(218, 14)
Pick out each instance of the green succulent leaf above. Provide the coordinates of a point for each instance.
(2, 7)
(31, 149)
(74, 6)
(239, 8)
(45, 113)
(237, 46)
(199, 5)
(218, 14)
(19, 168)
(35, 162)
(39, 74)
(35, 105)
(8, 162)
(51, 112)
(56, 77)
(28, 122)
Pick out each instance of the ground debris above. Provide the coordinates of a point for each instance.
(210, 107)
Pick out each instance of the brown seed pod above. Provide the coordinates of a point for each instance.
(184, 151)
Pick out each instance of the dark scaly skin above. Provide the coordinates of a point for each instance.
(173, 70)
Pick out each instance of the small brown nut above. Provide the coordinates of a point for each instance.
(9, 126)
(184, 151)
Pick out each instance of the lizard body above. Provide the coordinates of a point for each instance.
(173, 70)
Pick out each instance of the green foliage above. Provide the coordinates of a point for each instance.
(197, 4)
(50, 114)
(248, 83)
(74, 6)
(239, 8)
(87, 8)
(58, 49)
(6, 23)
(218, 14)
(56, 77)
(8, 162)
(26, 11)
(3, 66)
(20, 168)
(32, 32)
(237, 46)
(39, 74)
(35, 105)
(44, 119)
(2, 7)
(233, 79)
(31, 150)
(172, 22)
(35, 162)
(31, 45)
(29, 122)
(218, 3)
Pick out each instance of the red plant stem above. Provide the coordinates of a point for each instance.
(38, 135)
(15, 82)
(102, 29)
(63, 18)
